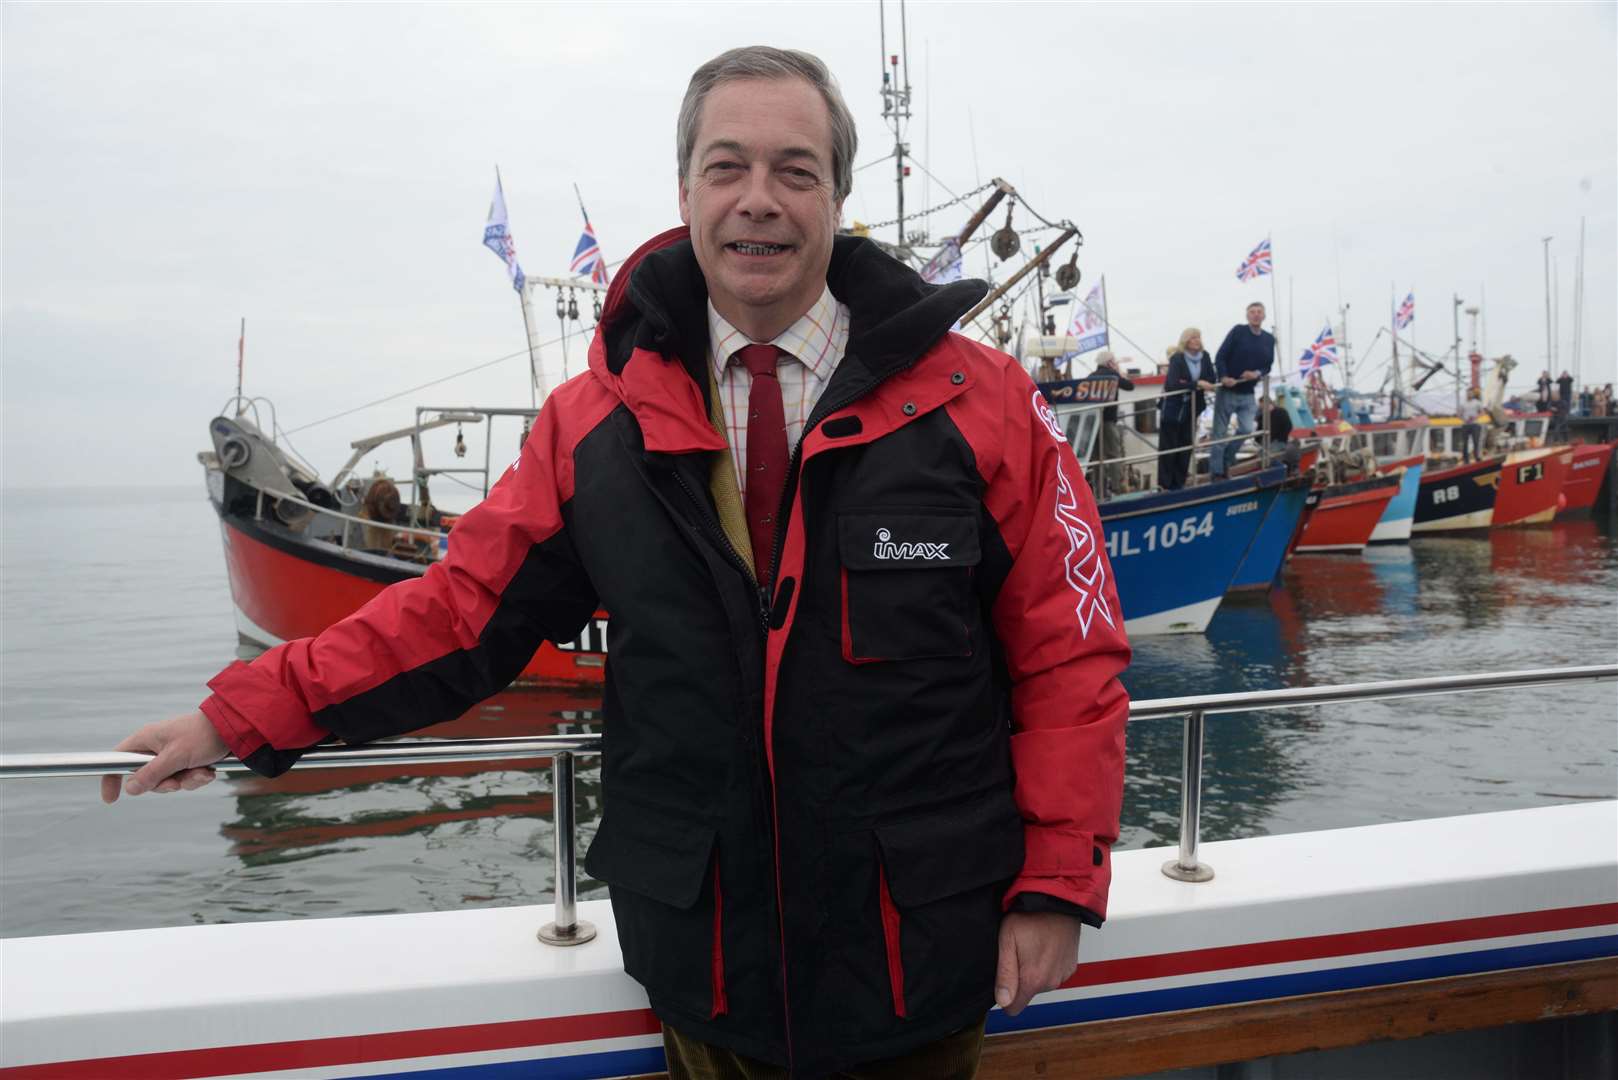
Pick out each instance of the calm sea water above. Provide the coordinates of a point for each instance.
(114, 610)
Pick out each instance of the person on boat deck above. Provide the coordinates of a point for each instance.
(1244, 358)
(1112, 436)
(1186, 386)
(1561, 409)
(1471, 430)
(865, 732)
(1544, 387)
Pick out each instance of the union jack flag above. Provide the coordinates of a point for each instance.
(1318, 355)
(1256, 263)
(1406, 314)
(587, 256)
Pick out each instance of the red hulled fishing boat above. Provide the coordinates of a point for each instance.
(1531, 486)
(1347, 514)
(1585, 472)
(302, 554)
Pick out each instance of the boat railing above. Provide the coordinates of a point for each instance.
(567, 929)
(1197, 448)
(349, 520)
(489, 413)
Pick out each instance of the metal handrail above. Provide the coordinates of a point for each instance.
(568, 929)
(414, 530)
(1261, 432)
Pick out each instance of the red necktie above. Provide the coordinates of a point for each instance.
(766, 451)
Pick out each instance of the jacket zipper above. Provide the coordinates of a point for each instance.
(717, 532)
(766, 588)
(764, 583)
(779, 539)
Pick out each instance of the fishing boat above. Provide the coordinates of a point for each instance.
(1531, 486)
(1397, 445)
(1348, 514)
(1278, 535)
(1342, 942)
(302, 553)
(1174, 554)
(1457, 497)
(1587, 470)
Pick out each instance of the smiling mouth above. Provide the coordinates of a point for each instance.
(746, 247)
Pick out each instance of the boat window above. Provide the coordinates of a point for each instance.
(1385, 443)
(1357, 442)
(1435, 440)
(1081, 426)
(1535, 428)
(1146, 417)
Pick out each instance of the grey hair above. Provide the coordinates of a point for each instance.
(765, 62)
(1187, 334)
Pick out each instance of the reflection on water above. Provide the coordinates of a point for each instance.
(83, 666)
(1538, 597)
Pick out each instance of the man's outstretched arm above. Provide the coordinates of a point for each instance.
(421, 652)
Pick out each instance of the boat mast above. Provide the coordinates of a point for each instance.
(1550, 358)
(1396, 404)
(1578, 314)
(896, 103)
(1455, 313)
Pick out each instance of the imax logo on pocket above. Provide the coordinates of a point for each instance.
(887, 549)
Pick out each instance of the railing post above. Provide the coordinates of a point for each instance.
(568, 929)
(1186, 867)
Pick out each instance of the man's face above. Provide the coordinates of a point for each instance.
(757, 195)
(1255, 315)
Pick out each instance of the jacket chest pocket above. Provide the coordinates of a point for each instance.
(906, 581)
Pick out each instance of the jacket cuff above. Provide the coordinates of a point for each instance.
(1036, 902)
(239, 735)
(260, 711)
(1070, 865)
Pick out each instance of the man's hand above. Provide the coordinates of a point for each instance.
(1227, 382)
(1249, 376)
(1038, 951)
(185, 746)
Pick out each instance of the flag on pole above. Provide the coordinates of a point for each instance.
(587, 256)
(1318, 355)
(1090, 321)
(1256, 264)
(497, 235)
(945, 266)
(1406, 314)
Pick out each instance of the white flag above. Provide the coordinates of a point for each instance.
(497, 235)
(945, 266)
(1090, 320)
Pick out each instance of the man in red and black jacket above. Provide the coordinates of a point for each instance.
(864, 739)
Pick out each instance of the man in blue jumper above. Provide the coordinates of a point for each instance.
(1244, 359)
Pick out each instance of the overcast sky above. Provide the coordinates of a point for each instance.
(325, 170)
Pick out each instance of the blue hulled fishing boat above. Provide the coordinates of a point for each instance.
(1175, 553)
(1276, 536)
